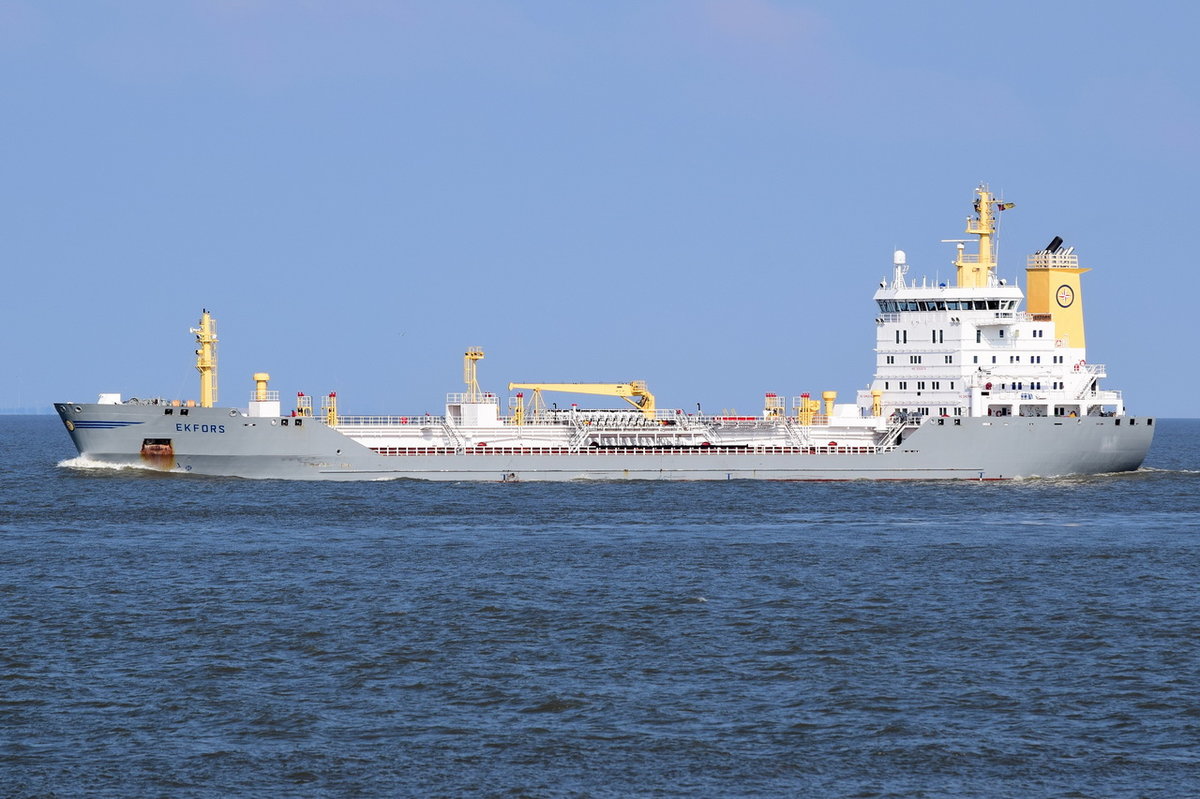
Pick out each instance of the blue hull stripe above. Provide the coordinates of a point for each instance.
(98, 425)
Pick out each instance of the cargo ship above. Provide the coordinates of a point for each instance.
(978, 380)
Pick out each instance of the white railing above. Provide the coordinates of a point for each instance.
(1001, 318)
(458, 398)
(601, 421)
(849, 448)
(1057, 396)
(390, 421)
(1062, 259)
(265, 396)
(1104, 396)
(1035, 395)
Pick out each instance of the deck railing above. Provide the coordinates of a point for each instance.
(598, 421)
(857, 449)
(391, 421)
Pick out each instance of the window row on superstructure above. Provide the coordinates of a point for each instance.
(934, 385)
(1068, 410)
(939, 336)
(917, 360)
(898, 306)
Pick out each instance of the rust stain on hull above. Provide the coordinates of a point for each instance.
(158, 453)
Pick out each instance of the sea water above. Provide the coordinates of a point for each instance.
(167, 635)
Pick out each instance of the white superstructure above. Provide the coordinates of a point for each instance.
(964, 351)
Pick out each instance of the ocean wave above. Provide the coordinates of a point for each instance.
(84, 462)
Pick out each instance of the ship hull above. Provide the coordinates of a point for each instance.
(224, 442)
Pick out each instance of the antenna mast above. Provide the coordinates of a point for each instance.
(975, 270)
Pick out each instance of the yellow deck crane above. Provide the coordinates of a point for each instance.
(634, 392)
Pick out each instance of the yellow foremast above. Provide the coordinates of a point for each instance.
(206, 358)
(471, 359)
(975, 269)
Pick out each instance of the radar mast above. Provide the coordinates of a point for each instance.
(976, 270)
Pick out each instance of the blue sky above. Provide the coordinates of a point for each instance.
(699, 193)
